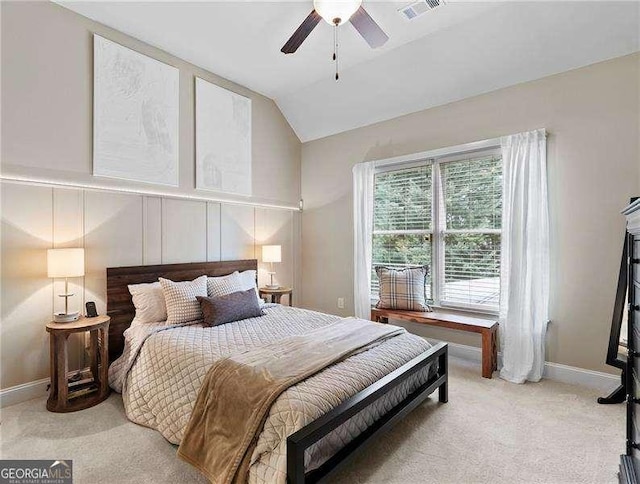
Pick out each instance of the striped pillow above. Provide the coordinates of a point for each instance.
(403, 288)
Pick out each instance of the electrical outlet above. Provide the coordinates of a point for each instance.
(340, 303)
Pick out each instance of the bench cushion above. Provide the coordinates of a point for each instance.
(402, 288)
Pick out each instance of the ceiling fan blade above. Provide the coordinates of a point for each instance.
(368, 28)
(302, 33)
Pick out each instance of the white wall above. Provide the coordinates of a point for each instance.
(47, 126)
(116, 230)
(592, 116)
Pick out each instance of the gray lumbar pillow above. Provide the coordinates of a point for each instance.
(230, 307)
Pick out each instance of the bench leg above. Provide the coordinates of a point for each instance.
(489, 353)
(379, 319)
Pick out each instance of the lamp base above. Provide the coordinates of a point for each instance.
(66, 317)
(272, 286)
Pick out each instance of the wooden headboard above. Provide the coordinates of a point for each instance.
(119, 303)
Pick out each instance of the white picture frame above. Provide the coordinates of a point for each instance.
(223, 140)
(135, 115)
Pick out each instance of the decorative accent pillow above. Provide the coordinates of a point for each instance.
(230, 307)
(148, 300)
(221, 286)
(180, 298)
(235, 282)
(403, 288)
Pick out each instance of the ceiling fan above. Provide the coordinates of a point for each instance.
(336, 13)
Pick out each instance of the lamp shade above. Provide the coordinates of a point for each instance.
(271, 253)
(65, 262)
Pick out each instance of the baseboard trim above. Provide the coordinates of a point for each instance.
(604, 382)
(24, 392)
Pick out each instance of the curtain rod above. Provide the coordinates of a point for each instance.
(440, 152)
(485, 144)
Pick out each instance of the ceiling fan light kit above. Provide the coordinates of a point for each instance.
(336, 13)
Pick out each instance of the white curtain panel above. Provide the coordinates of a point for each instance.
(363, 174)
(524, 301)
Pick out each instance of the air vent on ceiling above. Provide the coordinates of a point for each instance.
(416, 9)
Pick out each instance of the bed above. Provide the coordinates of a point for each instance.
(314, 426)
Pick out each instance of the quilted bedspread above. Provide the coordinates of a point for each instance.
(163, 367)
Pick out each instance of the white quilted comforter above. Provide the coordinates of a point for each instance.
(162, 369)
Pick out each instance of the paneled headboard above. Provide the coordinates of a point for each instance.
(120, 306)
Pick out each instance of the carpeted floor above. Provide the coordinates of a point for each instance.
(489, 432)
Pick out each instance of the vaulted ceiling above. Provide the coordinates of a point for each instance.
(458, 50)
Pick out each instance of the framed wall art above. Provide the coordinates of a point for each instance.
(223, 140)
(135, 115)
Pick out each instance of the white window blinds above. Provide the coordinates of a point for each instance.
(403, 200)
(402, 223)
(472, 208)
(446, 214)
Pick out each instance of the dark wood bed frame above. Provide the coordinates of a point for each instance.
(121, 310)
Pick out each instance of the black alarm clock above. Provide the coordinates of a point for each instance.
(91, 309)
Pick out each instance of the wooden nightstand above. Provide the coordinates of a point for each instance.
(93, 385)
(276, 294)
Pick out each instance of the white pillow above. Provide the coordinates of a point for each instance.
(248, 281)
(180, 298)
(221, 286)
(148, 300)
(236, 282)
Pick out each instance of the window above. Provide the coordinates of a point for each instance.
(461, 196)
(402, 224)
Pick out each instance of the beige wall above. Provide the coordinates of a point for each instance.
(47, 134)
(592, 116)
(115, 229)
(47, 102)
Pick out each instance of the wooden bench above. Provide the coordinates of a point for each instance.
(486, 327)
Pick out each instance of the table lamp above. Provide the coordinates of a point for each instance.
(65, 263)
(271, 254)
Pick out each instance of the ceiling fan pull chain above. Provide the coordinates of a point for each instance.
(335, 41)
(335, 52)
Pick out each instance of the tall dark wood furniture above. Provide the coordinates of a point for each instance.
(92, 385)
(630, 461)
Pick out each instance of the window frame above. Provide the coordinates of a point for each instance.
(488, 148)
